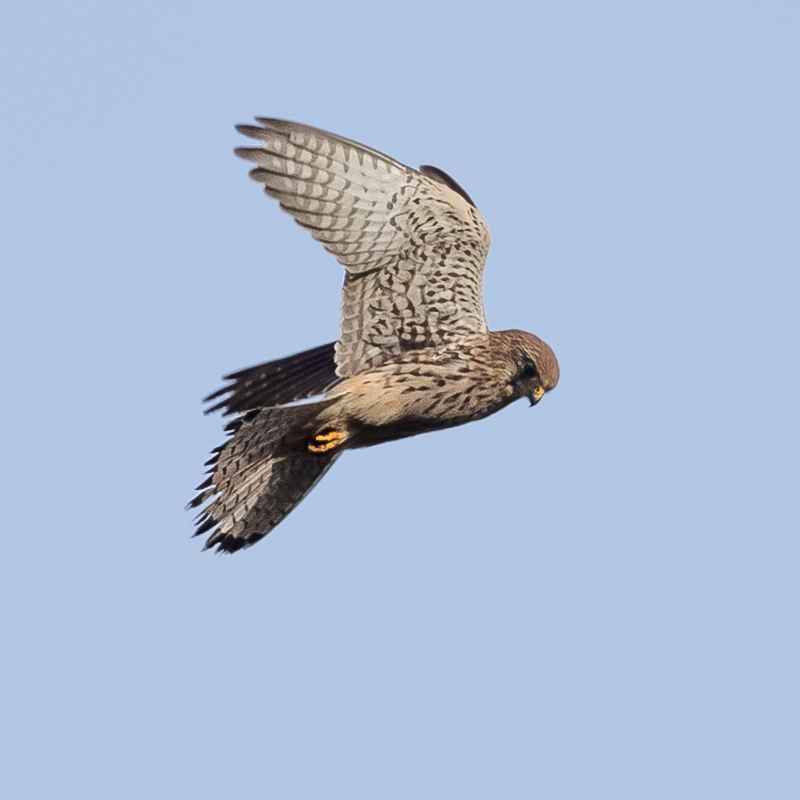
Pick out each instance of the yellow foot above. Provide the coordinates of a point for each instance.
(326, 441)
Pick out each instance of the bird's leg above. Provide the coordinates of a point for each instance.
(323, 442)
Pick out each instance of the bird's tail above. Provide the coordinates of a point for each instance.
(260, 474)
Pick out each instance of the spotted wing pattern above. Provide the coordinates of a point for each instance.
(412, 243)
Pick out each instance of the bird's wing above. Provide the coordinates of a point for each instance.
(412, 242)
(276, 383)
(255, 480)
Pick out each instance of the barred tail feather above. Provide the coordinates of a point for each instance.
(259, 475)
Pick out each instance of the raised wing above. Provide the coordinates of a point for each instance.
(412, 242)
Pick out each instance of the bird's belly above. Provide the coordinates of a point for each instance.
(412, 409)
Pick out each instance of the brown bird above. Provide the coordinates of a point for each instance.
(414, 353)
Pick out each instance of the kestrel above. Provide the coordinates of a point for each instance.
(414, 353)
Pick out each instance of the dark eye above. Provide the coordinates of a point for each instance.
(529, 370)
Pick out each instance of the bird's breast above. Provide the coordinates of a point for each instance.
(404, 399)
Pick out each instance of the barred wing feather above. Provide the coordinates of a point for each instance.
(412, 243)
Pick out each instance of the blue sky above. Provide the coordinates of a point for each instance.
(597, 598)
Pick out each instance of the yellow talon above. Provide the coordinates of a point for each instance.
(325, 442)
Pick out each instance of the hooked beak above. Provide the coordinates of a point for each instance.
(536, 395)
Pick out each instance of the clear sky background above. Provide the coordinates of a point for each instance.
(597, 598)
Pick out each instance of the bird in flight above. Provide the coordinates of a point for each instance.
(414, 353)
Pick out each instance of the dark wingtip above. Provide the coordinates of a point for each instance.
(225, 543)
(249, 130)
(204, 525)
(278, 382)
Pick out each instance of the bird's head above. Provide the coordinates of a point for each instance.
(536, 367)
